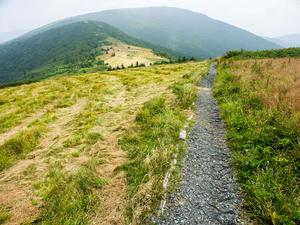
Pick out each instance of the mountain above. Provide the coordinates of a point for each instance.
(64, 49)
(292, 40)
(7, 36)
(276, 41)
(287, 41)
(189, 33)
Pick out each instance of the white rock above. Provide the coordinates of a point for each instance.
(182, 135)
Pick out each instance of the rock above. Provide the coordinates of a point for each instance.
(182, 135)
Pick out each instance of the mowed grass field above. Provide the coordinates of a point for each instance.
(118, 53)
(93, 148)
(260, 102)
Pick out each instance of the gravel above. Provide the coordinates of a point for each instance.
(208, 193)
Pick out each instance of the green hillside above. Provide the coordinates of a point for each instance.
(65, 49)
(189, 33)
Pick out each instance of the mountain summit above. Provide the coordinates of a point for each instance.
(189, 33)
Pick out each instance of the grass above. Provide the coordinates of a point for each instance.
(4, 214)
(81, 114)
(69, 198)
(119, 53)
(18, 147)
(260, 106)
(153, 142)
(186, 90)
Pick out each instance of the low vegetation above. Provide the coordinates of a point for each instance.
(64, 161)
(275, 53)
(259, 101)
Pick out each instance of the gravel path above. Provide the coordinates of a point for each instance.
(208, 194)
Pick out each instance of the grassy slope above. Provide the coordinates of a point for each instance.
(66, 49)
(118, 54)
(66, 159)
(259, 101)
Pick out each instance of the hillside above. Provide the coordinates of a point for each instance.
(258, 94)
(119, 54)
(73, 149)
(186, 32)
(66, 49)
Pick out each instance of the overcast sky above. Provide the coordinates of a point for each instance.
(263, 17)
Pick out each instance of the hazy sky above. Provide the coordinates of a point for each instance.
(263, 17)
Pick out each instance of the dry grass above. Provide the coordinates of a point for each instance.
(260, 102)
(119, 53)
(88, 114)
(277, 81)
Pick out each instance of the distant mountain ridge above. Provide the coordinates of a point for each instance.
(286, 41)
(189, 33)
(291, 40)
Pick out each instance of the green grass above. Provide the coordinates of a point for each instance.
(150, 146)
(266, 152)
(18, 147)
(26, 141)
(69, 198)
(186, 90)
(4, 214)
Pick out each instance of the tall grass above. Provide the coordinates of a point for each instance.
(265, 143)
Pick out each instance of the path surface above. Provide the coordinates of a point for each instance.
(208, 194)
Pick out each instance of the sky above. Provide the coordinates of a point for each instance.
(263, 17)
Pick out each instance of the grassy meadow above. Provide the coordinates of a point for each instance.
(260, 103)
(93, 148)
(118, 54)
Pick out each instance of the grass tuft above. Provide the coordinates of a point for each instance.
(69, 198)
(18, 146)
